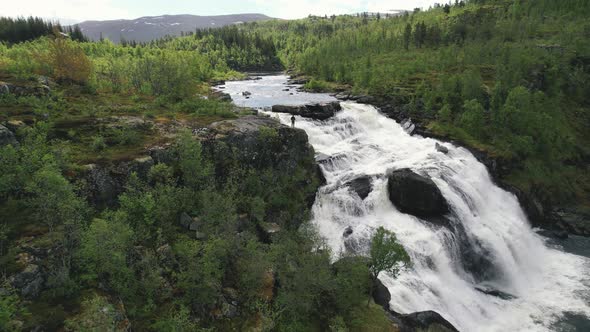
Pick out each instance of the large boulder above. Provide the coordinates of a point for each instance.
(361, 186)
(6, 137)
(381, 295)
(414, 194)
(321, 111)
(425, 321)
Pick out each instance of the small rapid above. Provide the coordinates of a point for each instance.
(489, 271)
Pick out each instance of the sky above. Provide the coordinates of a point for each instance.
(70, 11)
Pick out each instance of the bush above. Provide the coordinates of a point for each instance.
(68, 61)
(98, 143)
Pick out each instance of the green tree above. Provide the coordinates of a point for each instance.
(407, 36)
(386, 255)
(473, 118)
(103, 254)
(195, 170)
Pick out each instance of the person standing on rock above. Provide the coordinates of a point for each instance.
(292, 121)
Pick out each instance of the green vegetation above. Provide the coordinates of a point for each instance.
(507, 77)
(387, 255)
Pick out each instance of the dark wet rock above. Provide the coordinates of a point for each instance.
(556, 234)
(320, 111)
(347, 231)
(381, 294)
(217, 82)
(495, 293)
(298, 81)
(571, 220)
(322, 157)
(362, 186)
(246, 93)
(415, 322)
(425, 321)
(221, 96)
(30, 281)
(325, 159)
(365, 99)
(7, 137)
(441, 148)
(414, 194)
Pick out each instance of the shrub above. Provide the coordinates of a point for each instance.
(68, 61)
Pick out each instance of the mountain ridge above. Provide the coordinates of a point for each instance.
(147, 28)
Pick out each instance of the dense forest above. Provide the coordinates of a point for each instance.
(188, 243)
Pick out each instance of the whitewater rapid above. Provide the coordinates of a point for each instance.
(542, 283)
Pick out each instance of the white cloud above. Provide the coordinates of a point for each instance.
(302, 8)
(65, 9)
(118, 9)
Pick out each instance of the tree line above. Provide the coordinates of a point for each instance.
(16, 30)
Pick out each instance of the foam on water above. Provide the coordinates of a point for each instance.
(544, 282)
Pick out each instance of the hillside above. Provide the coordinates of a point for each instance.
(148, 28)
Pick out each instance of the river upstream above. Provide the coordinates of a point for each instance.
(488, 272)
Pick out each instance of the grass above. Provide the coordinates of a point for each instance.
(82, 119)
(370, 319)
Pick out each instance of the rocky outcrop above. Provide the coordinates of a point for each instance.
(313, 111)
(362, 186)
(7, 137)
(414, 194)
(263, 143)
(221, 96)
(421, 321)
(30, 281)
(571, 220)
(104, 183)
(429, 321)
(35, 90)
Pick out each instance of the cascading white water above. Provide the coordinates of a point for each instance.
(543, 282)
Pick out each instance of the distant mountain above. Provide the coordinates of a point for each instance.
(153, 27)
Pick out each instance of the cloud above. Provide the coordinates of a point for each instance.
(119, 9)
(302, 8)
(67, 9)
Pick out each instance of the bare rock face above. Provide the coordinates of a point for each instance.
(312, 111)
(6, 137)
(414, 194)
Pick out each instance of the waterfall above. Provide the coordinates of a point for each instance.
(490, 247)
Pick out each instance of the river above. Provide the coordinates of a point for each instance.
(538, 284)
